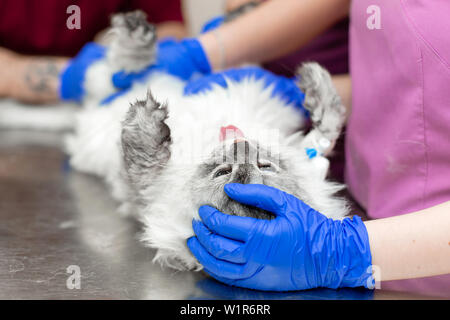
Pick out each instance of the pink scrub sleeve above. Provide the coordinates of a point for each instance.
(398, 135)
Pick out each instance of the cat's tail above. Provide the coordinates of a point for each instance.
(14, 115)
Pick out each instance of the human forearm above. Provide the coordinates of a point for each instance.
(174, 29)
(412, 245)
(29, 78)
(271, 30)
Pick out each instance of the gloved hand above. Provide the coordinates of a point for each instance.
(72, 78)
(183, 58)
(123, 80)
(299, 249)
(179, 58)
(283, 87)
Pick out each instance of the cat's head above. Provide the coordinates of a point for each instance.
(171, 196)
(146, 141)
(241, 161)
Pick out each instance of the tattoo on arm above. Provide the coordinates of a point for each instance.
(41, 77)
(31, 79)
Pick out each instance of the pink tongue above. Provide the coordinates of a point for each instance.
(230, 132)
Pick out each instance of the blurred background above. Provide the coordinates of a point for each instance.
(197, 12)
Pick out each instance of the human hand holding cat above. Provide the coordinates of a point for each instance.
(299, 249)
(179, 58)
(72, 78)
(282, 87)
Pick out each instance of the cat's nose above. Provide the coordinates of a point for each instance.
(247, 174)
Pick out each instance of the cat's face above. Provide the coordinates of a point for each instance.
(240, 161)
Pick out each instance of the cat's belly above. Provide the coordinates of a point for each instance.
(196, 121)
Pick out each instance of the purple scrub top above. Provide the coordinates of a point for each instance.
(398, 135)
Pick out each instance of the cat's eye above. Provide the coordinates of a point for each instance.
(222, 172)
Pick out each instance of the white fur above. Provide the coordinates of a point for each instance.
(95, 148)
(195, 122)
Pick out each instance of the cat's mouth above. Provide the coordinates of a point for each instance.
(234, 208)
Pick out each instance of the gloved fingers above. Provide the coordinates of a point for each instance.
(122, 80)
(220, 247)
(220, 267)
(196, 86)
(198, 55)
(205, 83)
(167, 41)
(260, 196)
(239, 74)
(233, 227)
(92, 50)
(72, 77)
(286, 89)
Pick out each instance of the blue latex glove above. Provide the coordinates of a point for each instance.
(299, 249)
(179, 58)
(123, 81)
(283, 87)
(72, 78)
(213, 24)
(184, 58)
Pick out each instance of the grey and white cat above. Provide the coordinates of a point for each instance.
(168, 183)
(165, 154)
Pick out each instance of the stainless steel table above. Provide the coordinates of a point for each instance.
(55, 222)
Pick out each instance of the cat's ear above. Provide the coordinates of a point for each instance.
(323, 103)
(145, 140)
